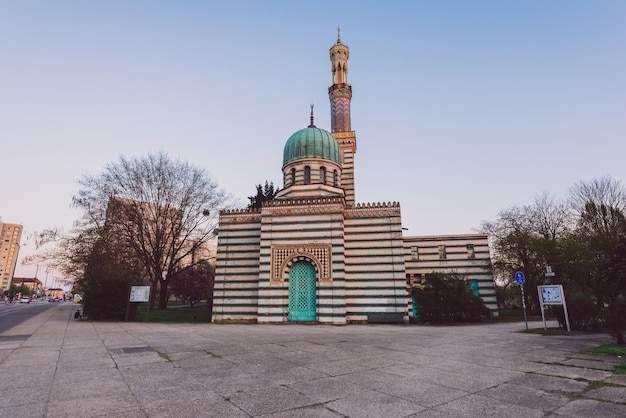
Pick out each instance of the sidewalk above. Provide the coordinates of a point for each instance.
(55, 366)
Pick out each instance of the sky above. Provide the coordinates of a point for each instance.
(461, 109)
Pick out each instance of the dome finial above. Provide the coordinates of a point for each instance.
(312, 125)
(338, 34)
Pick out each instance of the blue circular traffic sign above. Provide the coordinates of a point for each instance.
(519, 277)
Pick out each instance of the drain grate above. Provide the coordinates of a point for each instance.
(20, 337)
(131, 350)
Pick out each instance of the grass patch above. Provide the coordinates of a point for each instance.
(608, 350)
(164, 355)
(611, 350)
(173, 313)
(549, 331)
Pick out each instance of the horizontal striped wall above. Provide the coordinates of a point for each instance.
(301, 226)
(457, 260)
(237, 267)
(375, 276)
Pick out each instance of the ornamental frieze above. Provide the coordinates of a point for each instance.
(283, 256)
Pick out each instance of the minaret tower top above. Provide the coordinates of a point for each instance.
(340, 94)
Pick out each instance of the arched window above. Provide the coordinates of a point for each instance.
(307, 175)
(323, 175)
(293, 176)
(335, 179)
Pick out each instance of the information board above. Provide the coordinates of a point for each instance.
(140, 293)
(551, 295)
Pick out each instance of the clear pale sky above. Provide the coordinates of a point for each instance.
(461, 108)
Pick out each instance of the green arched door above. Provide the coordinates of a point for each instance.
(302, 299)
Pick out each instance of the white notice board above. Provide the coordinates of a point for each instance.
(140, 293)
(551, 295)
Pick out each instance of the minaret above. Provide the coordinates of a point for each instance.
(340, 94)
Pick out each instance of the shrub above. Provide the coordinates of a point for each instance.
(582, 310)
(446, 298)
(615, 318)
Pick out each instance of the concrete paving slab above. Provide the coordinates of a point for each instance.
(315, 411)
(619, 379)
(585, 408)
(271, 400)
(574, 372)
(481, 406)
(92, 406)
(34, 410)
(589, 364)
(327, 389)
(551, 384)
(373, 404)
(19, 396)
(527, 397)
(115, 370)
(608, 393)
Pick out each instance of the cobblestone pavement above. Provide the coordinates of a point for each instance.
(54, 366)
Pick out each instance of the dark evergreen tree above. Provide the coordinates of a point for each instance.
(263, 194)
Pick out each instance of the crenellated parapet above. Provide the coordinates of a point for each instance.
(337, 200)
(373, 210)
(377, 205)
(233, 216)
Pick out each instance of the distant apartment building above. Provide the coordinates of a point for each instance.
(10, 235)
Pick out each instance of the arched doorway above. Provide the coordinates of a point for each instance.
(302, 298)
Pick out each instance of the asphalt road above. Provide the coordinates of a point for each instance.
(15, 313)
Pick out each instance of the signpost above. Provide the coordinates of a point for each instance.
(552, 295)
(138, 294)
(520, 279)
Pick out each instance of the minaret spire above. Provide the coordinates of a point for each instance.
(312, 125)
(340, 94)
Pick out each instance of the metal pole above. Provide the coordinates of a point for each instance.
(524, 305)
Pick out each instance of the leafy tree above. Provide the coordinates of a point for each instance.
(194, 284)
(106, 284)
(263, 194)
(447, 298)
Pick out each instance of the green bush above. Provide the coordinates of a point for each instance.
(615, 318)
(447, 298)
(582, 310)
(106, 286)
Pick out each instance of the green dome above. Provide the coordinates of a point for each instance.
(311, 143)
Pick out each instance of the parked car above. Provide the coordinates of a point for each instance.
(24, 299)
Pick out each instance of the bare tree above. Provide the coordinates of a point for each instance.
(600, 191)
(527, 239)
(154, 210)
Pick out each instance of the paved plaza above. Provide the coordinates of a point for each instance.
(54, 366)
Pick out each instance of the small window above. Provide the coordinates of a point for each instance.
(293, 176)
(415, 255)
(442, 252)
(323, 175)
(470, 251)
(307, 175)
(335, 179)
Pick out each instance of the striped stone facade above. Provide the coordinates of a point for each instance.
(466, 255)
(356, 251)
